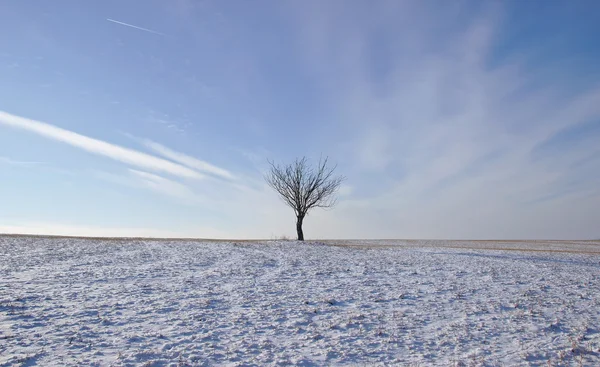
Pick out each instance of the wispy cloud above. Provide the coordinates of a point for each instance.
(135, 26)
(345, 190)
(450, 120)
(168, 187)
(99, 147)
(188, 161)
(163, 119)
(12, 162)
(137, 179)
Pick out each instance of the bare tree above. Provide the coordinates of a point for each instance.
(303, 187)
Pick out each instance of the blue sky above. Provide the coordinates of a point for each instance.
(452, 119)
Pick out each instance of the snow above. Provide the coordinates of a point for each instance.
(73, 302)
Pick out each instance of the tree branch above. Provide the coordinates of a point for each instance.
(303, 187)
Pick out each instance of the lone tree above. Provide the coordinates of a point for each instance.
(303, 187)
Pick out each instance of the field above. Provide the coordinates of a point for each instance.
(75, 302)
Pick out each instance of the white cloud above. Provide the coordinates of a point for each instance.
(167, 187)
(374, 151)
(456, 129)
(99, 147)
(345, 190)
(184, 194)
(13, 162)
(187, 160)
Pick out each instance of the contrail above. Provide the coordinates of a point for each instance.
(136, 27)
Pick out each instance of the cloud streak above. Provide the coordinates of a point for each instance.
(188, 161)
(167, 187)
(135, 26)
(99, 147)
(12, 162)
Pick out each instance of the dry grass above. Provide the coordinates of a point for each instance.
(591, 247)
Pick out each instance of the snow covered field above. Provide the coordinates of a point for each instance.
(77, 302)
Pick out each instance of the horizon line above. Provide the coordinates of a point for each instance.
(151, 238)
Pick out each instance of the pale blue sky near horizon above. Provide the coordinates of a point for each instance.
(450, 120)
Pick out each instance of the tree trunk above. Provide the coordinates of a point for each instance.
(299, 228)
